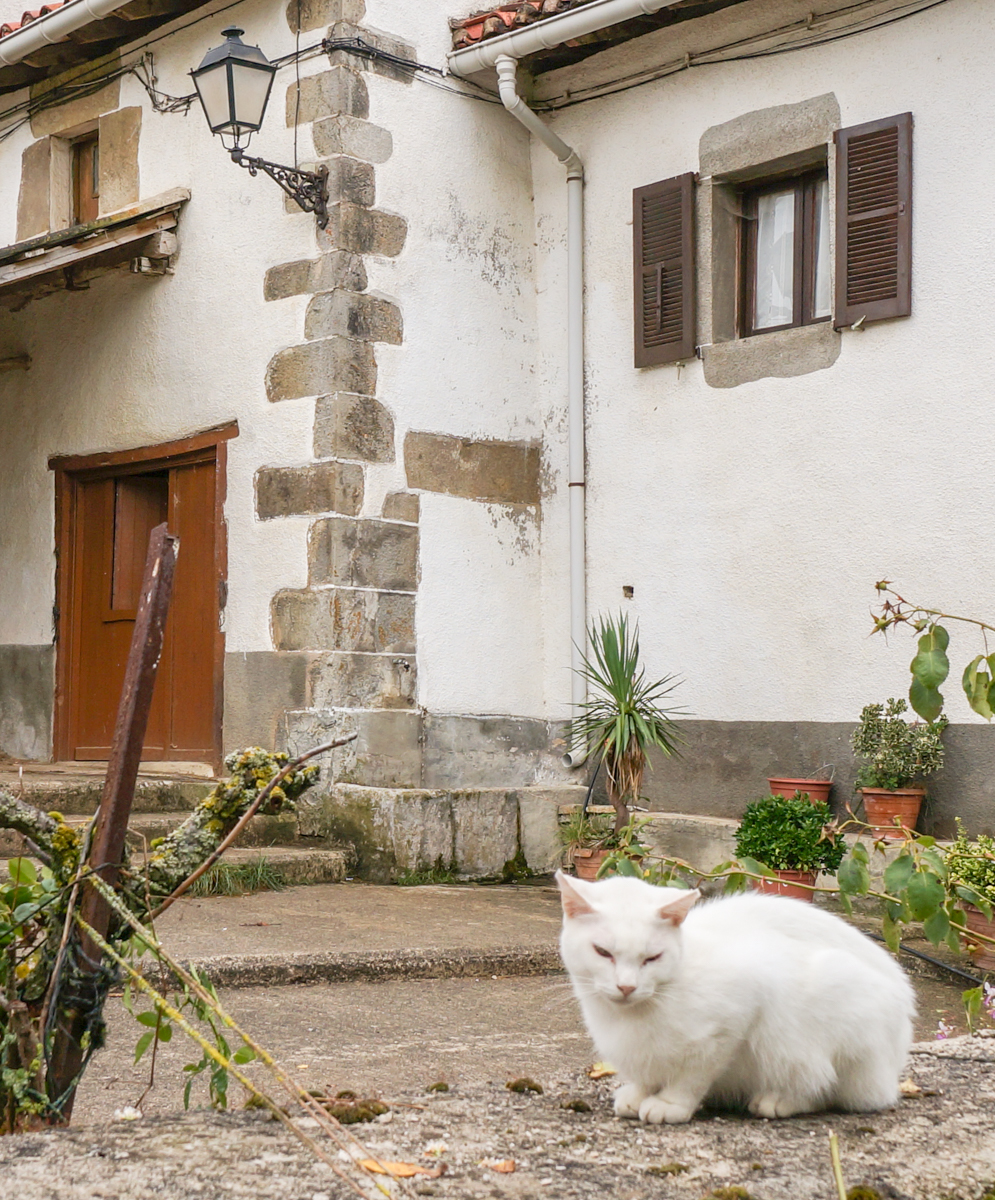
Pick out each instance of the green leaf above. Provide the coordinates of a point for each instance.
(165, 1032)
(975, 898)
(24, 912)
(925, 895)
(756, 868)
(926, 701)
(853, 877)
(925, 841)
(143, 1043)
(845, 903)
(891, 932)
(971, 1000)
(953, 939)
(22, 870)
(126, 999)
(859, 852)
(937, 926)
(244, 1054)
(150, 1018)
(931, 665)
(934, 860)
(898, 873)
(976, 684)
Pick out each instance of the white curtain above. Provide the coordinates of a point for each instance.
(775, 259)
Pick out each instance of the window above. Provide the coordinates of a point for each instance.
(785, 277)
(86, 179)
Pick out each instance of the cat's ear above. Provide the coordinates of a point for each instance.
(678, 909)
(574, 904)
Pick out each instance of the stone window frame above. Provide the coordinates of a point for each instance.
(748, 150)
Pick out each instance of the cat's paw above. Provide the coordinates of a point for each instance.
(627, 1100)
(658, 1110)
(773, 1105)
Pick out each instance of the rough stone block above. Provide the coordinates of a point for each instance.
(335, 364)
(363, 230)
(539, 825)
(344, 134)
(502, 472)
(391, 829)
(349, 426)
(344, 619)
(401, 506)
(33, 197)
(387, 752)
(317, 488)
(354, 314)
(304, 15)
(485, 831)
(351, 180)
(382, 41)
(363, 553)
(337, 269)
(483, 751)
(345, 680)
(339, 90)
(27, 684)
(259, 686)
(119, 183)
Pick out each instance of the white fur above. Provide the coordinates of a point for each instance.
(755, 1000)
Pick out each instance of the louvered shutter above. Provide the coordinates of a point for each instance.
(874, 220)
(663, 253)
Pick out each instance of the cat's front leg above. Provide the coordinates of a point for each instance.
(628, 1099)
(669, 1108)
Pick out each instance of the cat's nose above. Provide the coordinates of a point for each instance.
(626, 989)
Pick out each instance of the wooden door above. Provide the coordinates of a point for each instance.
(108, 514)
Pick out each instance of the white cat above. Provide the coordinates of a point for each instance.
(749, 999)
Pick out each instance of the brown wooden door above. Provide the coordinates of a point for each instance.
(114, 512)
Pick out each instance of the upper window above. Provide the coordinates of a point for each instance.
(785, 265)
(86, 179)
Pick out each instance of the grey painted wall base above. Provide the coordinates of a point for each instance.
(478, 833)
(725, 764)
(27, 689)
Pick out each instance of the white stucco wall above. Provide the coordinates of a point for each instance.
(752, 522)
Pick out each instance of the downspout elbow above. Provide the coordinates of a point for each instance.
(507, 74)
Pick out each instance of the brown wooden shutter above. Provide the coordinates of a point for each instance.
(874, 220)
(663, 267)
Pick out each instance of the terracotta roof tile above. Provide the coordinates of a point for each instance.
(494, 21)
(11, 26)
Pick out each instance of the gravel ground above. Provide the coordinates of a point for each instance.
(939, 1146)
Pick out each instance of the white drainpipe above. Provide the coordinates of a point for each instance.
(507, 69)
(53, 27)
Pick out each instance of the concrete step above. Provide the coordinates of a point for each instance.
(296, 864)
(144, 827)
(75, 788)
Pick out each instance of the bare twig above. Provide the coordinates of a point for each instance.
(834, 1154)
(249, 813)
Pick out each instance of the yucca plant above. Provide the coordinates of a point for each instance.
(624, 715)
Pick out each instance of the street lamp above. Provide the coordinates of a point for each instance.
(234, 83)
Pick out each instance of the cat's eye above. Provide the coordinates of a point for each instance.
(652, 958)
(604, 953)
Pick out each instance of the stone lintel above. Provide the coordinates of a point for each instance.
(497, 471)
(316, 488)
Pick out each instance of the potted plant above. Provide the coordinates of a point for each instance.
(623, 716)
(971, 874)
(590, 838)
(816, 789)
(795, 838)
(897, 755)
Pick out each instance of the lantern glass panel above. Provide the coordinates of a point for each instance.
(250, 86)
(212, 87)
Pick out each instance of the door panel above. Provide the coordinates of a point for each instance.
(113, 518)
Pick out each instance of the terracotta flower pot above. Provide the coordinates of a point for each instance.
(786, 884)
(982, 954)
(818, 789)
(587, 863)
(883, 806)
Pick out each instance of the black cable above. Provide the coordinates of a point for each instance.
(934, 961)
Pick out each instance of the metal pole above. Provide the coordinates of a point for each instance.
(107, 842)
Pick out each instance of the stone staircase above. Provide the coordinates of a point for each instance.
(164, 797)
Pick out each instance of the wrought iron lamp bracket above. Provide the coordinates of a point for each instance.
(308, 189)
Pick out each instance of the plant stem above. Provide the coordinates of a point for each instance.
(834, 1154)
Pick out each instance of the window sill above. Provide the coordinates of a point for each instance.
(778, 354)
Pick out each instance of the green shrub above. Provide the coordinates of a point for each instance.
(897, 753)
(972, 863)
(790, 834)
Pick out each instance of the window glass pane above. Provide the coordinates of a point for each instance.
(775, 259)
(822, 305)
